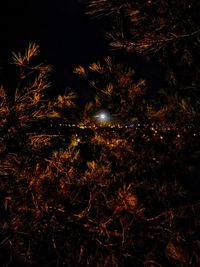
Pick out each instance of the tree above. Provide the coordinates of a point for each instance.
(109, 196)
(163, 32)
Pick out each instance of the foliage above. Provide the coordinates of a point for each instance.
(115, 88)
(161, 32)
(30, 104)
(111, 201)
(108, 196)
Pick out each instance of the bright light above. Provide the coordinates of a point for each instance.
(103, 116)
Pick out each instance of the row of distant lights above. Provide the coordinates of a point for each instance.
(138, 126)
(135, 126)
(103, 118)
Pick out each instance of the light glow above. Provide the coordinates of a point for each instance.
(103, 117)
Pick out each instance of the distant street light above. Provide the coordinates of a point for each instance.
(103, 116)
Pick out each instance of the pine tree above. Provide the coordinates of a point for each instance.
(162, 32)
(120, 196)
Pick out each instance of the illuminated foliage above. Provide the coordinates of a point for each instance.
(30, 103)
(123, 194)
(115, 87)
(162, 32)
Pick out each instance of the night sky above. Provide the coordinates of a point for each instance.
(66, 36)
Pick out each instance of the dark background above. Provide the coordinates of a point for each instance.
(66, 36)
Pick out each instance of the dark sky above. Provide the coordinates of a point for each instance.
(66, 36)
